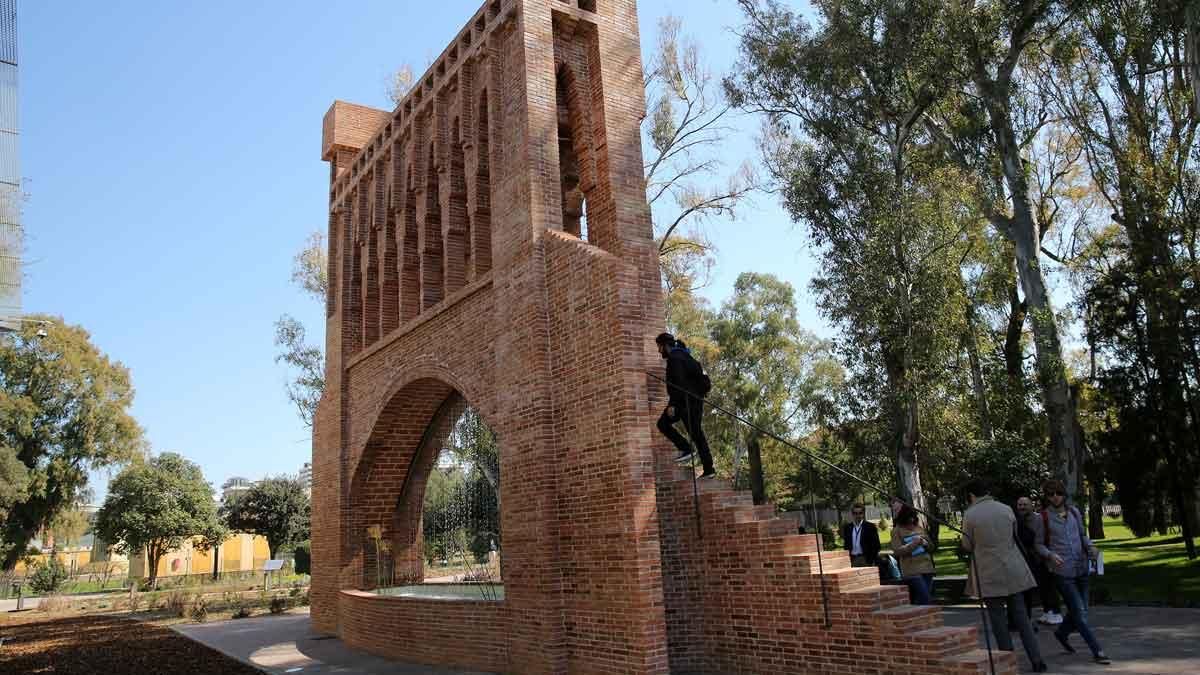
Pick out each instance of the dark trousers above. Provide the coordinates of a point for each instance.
(920, 589)
(1046, 587)
(692, 415)
(1074, 592)
(999, 611)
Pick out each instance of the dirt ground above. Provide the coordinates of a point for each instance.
(36, 643)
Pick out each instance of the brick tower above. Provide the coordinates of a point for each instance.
(490, 244)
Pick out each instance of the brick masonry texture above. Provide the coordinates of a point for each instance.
(490, 244)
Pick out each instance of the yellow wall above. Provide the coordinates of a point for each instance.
(236, 554)
(81, 557)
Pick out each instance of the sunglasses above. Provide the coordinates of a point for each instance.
(1056, 493)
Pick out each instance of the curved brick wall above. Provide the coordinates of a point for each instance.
(461, 633)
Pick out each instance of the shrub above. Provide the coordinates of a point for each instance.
(49, 576)
(303, 557)
(53, 603)
(177, 603)
(828, 538)
(294, 592)
(200, 609)
(279, 604)
(241, 608)
(133, 603)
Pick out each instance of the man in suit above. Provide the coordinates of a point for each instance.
(998, 572)
(861, 538)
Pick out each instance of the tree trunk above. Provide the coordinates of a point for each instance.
(216, 561)
(934, 527)
(981, 402)
(1095, 506)
(1193, 50)
(152, 557)
(758, 487)
(1183, 506)
(906, 435)
(1022, 229)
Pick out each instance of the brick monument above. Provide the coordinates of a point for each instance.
(490, 244)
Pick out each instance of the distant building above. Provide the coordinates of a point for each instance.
(239, 552)
(11, 236)
(235, 487)
(306, 475)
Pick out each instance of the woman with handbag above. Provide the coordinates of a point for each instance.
(1061, 541)
(914, 551)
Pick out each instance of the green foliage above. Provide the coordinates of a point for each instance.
(14, 481)
(843, 103)
(276, 508)
(49, 576)
(64, 411)
(279, 604)
(308, 363)
(303, 559)
(768, 370)
(156, 504)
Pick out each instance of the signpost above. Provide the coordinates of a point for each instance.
(268, 567)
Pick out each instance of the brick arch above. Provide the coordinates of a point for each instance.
(388, 481)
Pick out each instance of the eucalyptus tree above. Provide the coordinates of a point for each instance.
(1118, 76)
(989, 127)
(845, 143)
(688, 181)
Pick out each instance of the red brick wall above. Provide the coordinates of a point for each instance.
(459, 633)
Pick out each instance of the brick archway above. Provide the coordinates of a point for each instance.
(388, 483)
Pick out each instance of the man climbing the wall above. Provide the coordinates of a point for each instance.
(685, 376)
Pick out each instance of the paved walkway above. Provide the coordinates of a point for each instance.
(1143, 640)
(1146, 641)
(287, 644)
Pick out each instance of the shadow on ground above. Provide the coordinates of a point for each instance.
(287, 644)
(1147, 641)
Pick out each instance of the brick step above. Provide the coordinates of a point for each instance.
(830, 560)
(878, 596)
(792, 544)
(765, 529)
(945, 640)
(840, 580)
(907, 619)
(975, 662)
(745, 514)
(734, 500)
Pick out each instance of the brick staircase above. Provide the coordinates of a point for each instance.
(744, 595)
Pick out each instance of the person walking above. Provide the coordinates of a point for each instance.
(1062, 542)
(1051, 614)
(861, 538)
(914, 551)
(686, 387)
(998, 573)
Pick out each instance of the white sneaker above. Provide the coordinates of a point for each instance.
(1050, 618)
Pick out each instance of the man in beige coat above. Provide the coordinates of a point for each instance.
(998, 572)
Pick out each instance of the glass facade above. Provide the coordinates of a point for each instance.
(11, 239)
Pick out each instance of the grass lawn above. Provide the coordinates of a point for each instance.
(1151, 569)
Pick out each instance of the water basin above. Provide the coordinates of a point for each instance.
(494, 592)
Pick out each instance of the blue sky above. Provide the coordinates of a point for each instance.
(171, 156)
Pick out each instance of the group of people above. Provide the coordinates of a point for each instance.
(1013, 554)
